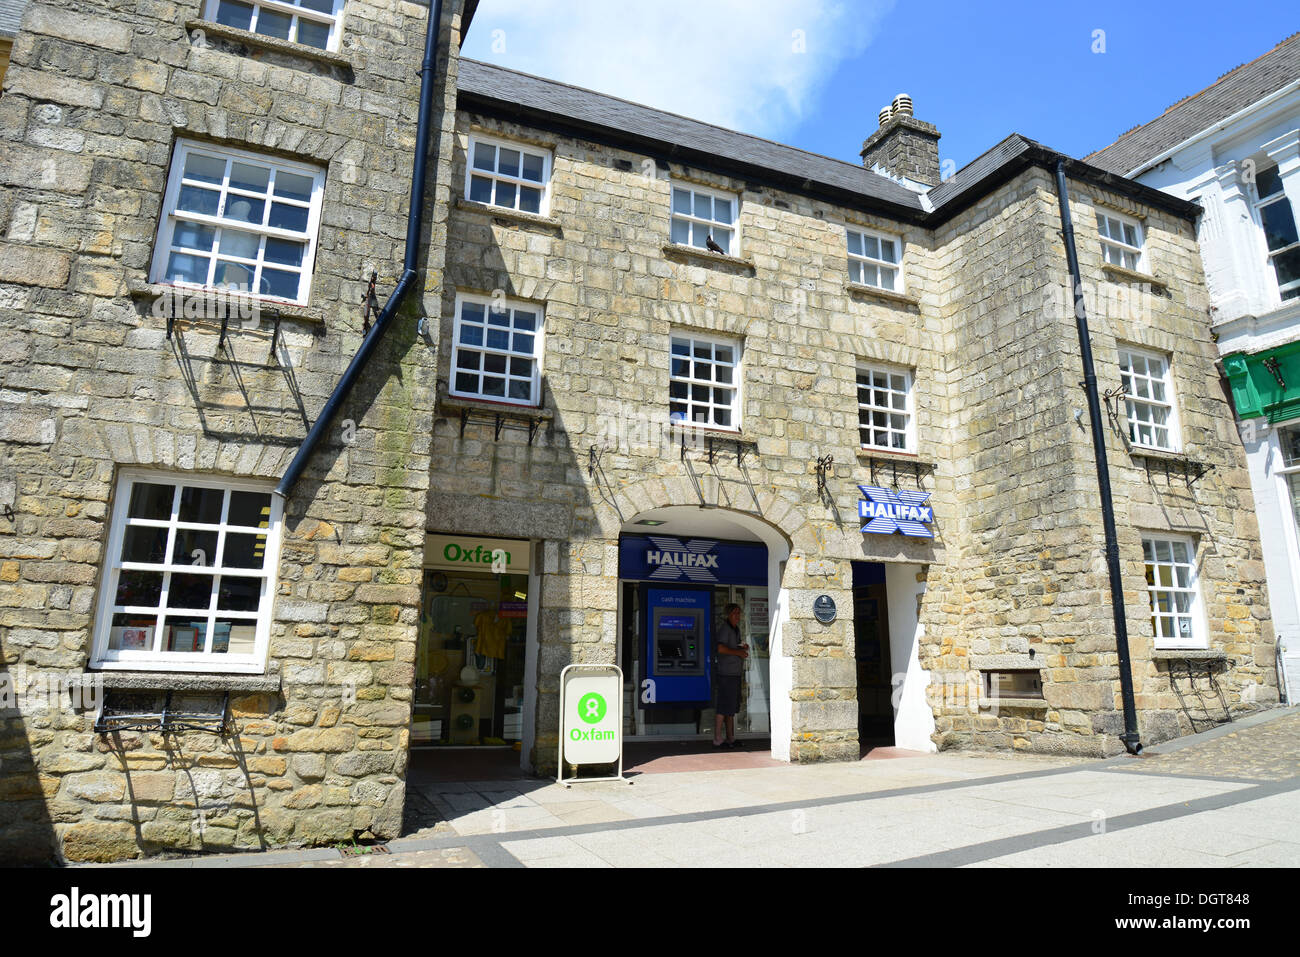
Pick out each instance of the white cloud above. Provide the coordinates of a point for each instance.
(751, 65)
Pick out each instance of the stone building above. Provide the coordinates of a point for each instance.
(1234, 147)
(654, 368)
(11, 15)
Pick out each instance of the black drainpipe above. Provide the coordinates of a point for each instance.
(414, 223)
(1130, 736)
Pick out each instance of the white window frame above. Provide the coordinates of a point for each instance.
(908, 412)
(694, 339)
(694, 221)
(1282, 477)
(1131, 401)
(205, 661)
(495, 306)
(1195, 614)
(334, 19)
(1117, 247)
(171, 217)
(1257, 210)
(496, 178)
(879, 264)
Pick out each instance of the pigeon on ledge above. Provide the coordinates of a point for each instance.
(712, 246)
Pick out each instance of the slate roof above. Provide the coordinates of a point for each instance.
(1229, 94)
(586, 108)
(11, 16)
(666, 136)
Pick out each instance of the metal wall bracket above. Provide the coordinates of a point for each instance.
(167, 720)
(499, 421)
(464, 417)
(823, 467)
(221, 342)
(533, 426)
(275, 337)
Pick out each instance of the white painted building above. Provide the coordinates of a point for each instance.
(1234, 148)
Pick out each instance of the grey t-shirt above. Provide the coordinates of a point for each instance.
(729, 664)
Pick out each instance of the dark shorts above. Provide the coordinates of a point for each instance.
(728, 694)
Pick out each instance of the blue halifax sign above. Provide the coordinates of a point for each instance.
(886, 511)
(691, 561)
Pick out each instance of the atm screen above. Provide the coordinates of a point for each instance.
(671, 648)
(676, 623)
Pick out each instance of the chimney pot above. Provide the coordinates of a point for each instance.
(902, 105)
(884, 115)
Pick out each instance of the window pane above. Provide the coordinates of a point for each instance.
(246, 210)
(190, 591)
(494, 363)
(1279, 224)
(244, 551)
(273, 24)
(201, 505)
(235, 242)
(1130, 235)
(255, 179)
(703, 206)
(294, 186)
(234, 14)
(194, 236)
(681, 201)
(485, 156)
(288, 217)
(250, 509)
(1287, 267)
(886, 278)
(185, 268)
(722, 210)
(282, 285)
(521, 390)
(237, 593)
(141, 544)
(185, 634)
(855, 243)
(1268, 182)
(132, 632)
(494, 386)
(465, 382)
(285, 252)
(314, 34)
(194, 547)
(723, 238)
(681, 232)
(508, 162)
(871, 246)
(887, 250)
(530, 200)
(533, 165)
(235, 636)
(506, 194)
(138, 588)
(233, 275)
(480, 189)
(471, 335)
(151, 501)
(205, 202)
(523, 342)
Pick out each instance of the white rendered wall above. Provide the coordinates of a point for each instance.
(913, 716)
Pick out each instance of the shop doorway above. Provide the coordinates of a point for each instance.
(674, 592)
(472, 654)
(872, 655)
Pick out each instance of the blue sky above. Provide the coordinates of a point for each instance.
(815, 73)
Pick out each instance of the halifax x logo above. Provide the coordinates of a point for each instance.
(896, 511)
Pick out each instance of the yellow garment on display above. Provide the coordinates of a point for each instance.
(490, 641)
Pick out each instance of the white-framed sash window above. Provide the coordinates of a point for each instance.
(886, 417)
(313, 23)
(497, 350)
(1278, 223)
(510, 175)
(191, 574)
(875, 259)
(239, 221)
(1177, 618)
(1121, 240)
(699, 214)
(704, 381)
(1149, 399)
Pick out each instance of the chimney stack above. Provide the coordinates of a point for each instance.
(904, 146)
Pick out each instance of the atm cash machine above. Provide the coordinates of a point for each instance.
(678, 654)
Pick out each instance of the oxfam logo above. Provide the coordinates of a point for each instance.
(591, 708)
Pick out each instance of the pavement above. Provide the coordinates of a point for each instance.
(1225, 798)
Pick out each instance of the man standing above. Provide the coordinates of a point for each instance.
(732, 653)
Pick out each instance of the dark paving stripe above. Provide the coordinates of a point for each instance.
(988, 850)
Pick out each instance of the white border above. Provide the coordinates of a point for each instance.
(901, 284)
(737, 403)
(1175, 420)
(910, 433)
(1201, 640)
(734, 251)
(1137, 225)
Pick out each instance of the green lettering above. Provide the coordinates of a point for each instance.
(451, 552)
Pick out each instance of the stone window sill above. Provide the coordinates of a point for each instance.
(1188, 654)
(452, 404)
(707, 257)
(212, 301)
(1040, 703)
(182, 681)
(1120, 274)
(874, 292)
(513, 215)
(301, 51)
(1008, 662)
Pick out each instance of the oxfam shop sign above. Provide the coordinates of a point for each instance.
(463, 553)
